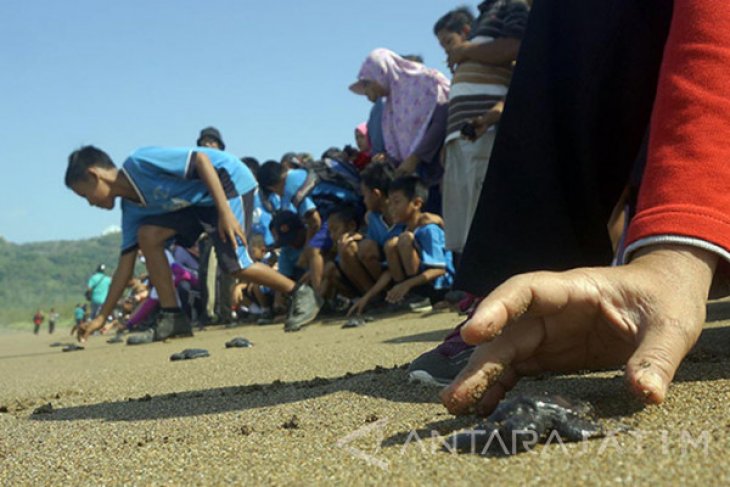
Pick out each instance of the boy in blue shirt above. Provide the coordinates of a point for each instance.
(417, 259)
(175, 192)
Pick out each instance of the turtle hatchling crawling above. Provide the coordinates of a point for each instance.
(519, 423)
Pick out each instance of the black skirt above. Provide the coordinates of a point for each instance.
(576, 115)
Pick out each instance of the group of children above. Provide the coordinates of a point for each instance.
(330, 236)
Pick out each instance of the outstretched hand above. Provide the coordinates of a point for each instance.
(86, 328)
(647, 314)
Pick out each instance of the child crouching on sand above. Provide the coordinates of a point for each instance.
(417, 259)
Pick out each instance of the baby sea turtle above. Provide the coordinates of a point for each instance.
(71, 348)
(189, 354)
(518, 423)
(358, 321)
(239, 342)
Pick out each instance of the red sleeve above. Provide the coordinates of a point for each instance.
(686, 185)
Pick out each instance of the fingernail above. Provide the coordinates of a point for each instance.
(651, 383)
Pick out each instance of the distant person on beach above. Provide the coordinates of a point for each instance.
(79, 315)
(37, 321)
(97, 289)
(52, 320)
(575, 118)
(176, 193)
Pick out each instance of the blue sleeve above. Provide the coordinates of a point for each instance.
(306, 206)
(165, 160)
(131, 216)
(93, 280)
(432, 246)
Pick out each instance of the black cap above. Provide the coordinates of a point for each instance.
(286, 225)
(212, 133)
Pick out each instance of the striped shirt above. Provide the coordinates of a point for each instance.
(477, 87)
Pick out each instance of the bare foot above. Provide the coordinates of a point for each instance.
(647, 314)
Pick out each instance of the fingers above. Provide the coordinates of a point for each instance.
(494, 368)
(540, 293)
(485, 367)
(661, 349)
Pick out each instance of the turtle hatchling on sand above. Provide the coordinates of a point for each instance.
(520, 422)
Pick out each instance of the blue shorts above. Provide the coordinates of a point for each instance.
(288, 258)
(322, 240)
(189, 223)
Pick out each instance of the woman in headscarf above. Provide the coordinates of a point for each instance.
(414, 112)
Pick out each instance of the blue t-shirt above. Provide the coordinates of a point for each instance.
(431, 247)
(378, 230)
(166, 180)
(288, 257)
(326, 193)
(262, 216)
(99, 284)
(295, 179)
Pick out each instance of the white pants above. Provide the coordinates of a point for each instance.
(466, 167)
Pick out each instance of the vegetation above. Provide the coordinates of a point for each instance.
(50, 274)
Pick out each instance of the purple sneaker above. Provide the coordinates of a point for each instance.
(440, 366)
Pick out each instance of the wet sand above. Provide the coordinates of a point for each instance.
(325, 406)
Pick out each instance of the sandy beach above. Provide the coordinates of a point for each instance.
(325, 406)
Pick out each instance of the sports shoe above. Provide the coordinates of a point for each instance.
(413, 303)
(304, 308)
(436, 369)
(168, 325)
(418, 304)
(440, 366)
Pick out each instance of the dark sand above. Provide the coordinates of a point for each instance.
(281, 413)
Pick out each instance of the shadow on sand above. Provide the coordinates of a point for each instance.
(708, 361)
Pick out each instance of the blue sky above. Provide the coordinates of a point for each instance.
(271, 75)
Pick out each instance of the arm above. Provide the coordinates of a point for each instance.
(124, 271)
(499, 52)
(313, 222)
(377, 288)
(432, 141)
(228, 226)
(401, 289)
(482, 123)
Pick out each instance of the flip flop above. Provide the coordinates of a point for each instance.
(239, 342)
(189, 354)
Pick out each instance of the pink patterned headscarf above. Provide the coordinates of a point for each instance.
(414, 89)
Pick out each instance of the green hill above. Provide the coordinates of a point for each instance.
(50, 274)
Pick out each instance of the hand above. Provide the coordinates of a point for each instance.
(428, 218)
(408, 166)
(482, 123)
(87, 328)
(647, 314)
(379, 157)
(359, 306)
(348, 238)
(457, 55)
(229, 228)
(398, 292)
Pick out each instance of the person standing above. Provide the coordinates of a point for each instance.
(97, 289)
(52, 320)
(37, 321)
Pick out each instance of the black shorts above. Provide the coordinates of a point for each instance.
(189, 223)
